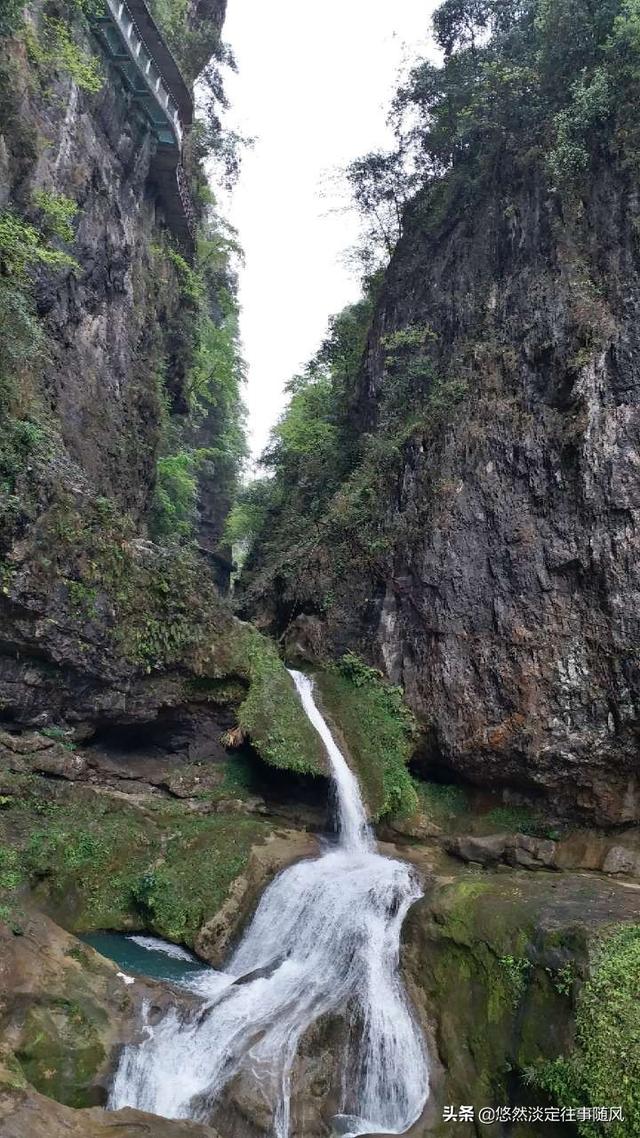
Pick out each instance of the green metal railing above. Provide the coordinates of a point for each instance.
(135, 61)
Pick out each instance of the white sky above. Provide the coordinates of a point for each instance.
(314, 84)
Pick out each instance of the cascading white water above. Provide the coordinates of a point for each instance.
(325, 938)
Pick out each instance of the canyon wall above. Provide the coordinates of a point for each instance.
(484, 555)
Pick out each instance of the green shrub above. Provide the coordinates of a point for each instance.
(591, 105)
(20, 440)
(379, 731)
(564, 977)
(174, 509)
(58, 213)
(191, 283)
(604, 1068)
(248, 514)
(55, 49)
(517, 970)
(22, 335)
(22, 246)
(202, 450)
(11, 873)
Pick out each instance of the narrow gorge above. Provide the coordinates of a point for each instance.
(320, 788)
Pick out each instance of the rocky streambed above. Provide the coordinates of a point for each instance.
(498, 957)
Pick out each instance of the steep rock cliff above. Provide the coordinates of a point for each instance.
(119, 380)
(510, 611)
(482, 546)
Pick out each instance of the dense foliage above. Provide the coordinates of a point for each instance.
(312, 449)
(331, 481)
(203, 435)
(605, 1066)
(525, 86)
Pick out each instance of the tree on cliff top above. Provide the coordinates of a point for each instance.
(522, 84)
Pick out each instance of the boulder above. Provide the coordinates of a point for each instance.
(65, 1011)
(622, 860)
(33, 752)
(24, 1114)
(532, 853)
(24, 744)
(484, 850)
(59, 762)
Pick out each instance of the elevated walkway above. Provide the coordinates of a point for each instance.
(135, 46)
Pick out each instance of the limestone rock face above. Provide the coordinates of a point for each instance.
(515, 593)
(88, 408)
(505, 593)
(520, 645)
(101, 321)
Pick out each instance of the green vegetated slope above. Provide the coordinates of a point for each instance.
(531, 987)
(98, 862)
(604, 1067)
(379, 732)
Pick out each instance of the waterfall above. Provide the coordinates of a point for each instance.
(325, 938)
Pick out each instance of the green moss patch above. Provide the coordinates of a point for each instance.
(378, 729)
(272, 714)
(440, 802)
(100, 863)
(61, 1051)
(521, 820)
(604, 1068)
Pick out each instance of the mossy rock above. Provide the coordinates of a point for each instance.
(378, 731)
(96, 862)
(61, 1051)
(136, 617)
(525, 987)
(604, 1066)
(272, 714)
